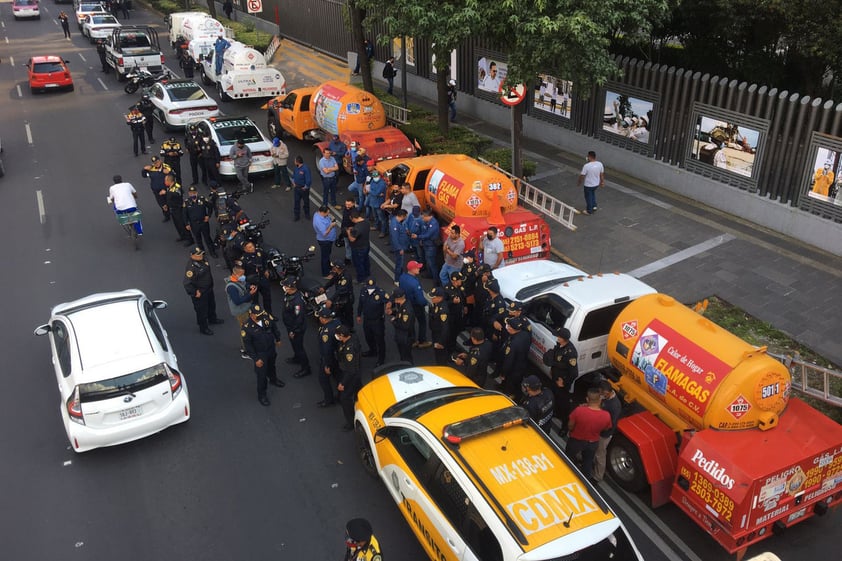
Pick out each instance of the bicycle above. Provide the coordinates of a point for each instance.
(127, 221)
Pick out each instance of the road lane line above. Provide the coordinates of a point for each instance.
(20, 93)
(42, 211)
(6, 39)
(101, 83)
(12, 61)
(680, 256)
(28, 133)
(82, 57)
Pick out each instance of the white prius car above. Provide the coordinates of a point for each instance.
(178, 102)
(225, 131)
(117, 374)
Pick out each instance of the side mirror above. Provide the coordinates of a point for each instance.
(42, 330)
(159, 304)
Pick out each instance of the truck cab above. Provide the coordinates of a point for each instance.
(291, 114)
(134, 46)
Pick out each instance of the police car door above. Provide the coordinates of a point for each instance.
(546, 315)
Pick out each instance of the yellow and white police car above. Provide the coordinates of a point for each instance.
(475, 478)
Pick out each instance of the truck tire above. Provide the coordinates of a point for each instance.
(121, 77)
(272, 126)
(623, 463)
(222, 95)
(205, 80)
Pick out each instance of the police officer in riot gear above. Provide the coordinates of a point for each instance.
(260, 337)
(295, 321)
(371, 312)
(563, 362)
(328, 366)
(198, 283)
(196, 214)
(342, 300)
(171, 152)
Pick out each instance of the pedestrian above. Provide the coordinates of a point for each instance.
(326, 229)
(342, 299)
(610, 403)
(403, 321)
(477, 359)
(100, 50)
(257, 272)
(301, 180)
(411, 286)
(115, 8)
(515, 355)
(493, 252)
(440, 325)
(175, 206)
(240, 155)
(157, 172)
(295, 321)
(538, 402)
(137, 123)
(592, 177)
(451, 99)
(337, 150)
(562, 361)
(147, 108)
(399, 240)
(429, 236)
(453, 248)
(65, 24)
(193, 143)
(123, 197)
(371, 313)
(228, 7)
(280, 157)
(359, 238)
(261, 338)
(198, 283)
(239, 295)
(360, 172)
(410, 199)
(328, 366)
(368, 49)
(375, 197)
(185, 61)
(350, 206)
(350, 381)
(196, 215)
(389, 73)
(210, 159)
(360, 543)
(172, 152)
(124, 8)
(586, 423)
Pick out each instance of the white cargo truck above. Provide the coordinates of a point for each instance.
(244, 74)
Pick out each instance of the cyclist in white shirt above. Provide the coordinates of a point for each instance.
(124, 198)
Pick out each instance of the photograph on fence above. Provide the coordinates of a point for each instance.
(490, 74)
(553, 95)
(628, 116)
(727, 145)
(397, 51)
(825, 179)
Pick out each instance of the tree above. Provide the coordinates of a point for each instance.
(445, 23)
(358, 15)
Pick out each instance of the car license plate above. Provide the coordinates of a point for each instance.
(50, 85)
(195, 113)
(131, 412)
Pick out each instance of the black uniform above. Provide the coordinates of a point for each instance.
(159, 188)
(198, 278)
(171, 152)
(233, 241)
(495, 310)
(295, 320)
(193, 143)
(403, 320)
(148, 109)
(137, 122)
(209, 159)
(256, 266)
(175, 203)
(100, 50)
(515, 356)
(197, 214)
(540, 408)
(327, 360)
(476, 365)
(439, 318)
(455, 298)
(259, 341)
(563, 363)
(371, 308)
(342, 301)
(348, 357)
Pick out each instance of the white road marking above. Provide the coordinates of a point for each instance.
(6, 39)
(82, 57)
(101, 83)
(12, 61)
(20, 92)
(28, 133)
(680, 256)
(42, 211)
(68, 462)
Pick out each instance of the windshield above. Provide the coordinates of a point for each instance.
(136, 381)
(91, 8)
(103, 19)
(229, 131)
(419, 404)
(185, 91)
(26, 3)
(47, 67)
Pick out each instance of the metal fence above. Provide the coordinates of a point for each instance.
(813, 380)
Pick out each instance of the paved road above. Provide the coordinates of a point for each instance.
(238, 481)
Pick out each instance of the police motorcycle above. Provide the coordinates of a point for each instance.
(253, 230)
(282, 266)
(142, 78)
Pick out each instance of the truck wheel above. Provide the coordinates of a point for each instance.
(624, 464)
(364, 451)
(222, 95)
(205, 80)
(273, 128)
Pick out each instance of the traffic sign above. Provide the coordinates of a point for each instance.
(254, 6)
(512, 96)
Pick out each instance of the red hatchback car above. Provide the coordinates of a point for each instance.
(49, 73)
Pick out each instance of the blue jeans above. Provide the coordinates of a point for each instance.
(444, 275)
(325, 248)
(430, 264)
(362, 263)
(302, 195)
(138, 227)
(590, 198)
(452, 105)
(329, 191)
(281, 175)
(355, 187)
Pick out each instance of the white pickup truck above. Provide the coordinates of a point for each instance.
(244, 74)
(134, 46)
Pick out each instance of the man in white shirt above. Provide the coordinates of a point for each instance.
(409, 199)
(492, 248)
(592, 177)
(491, 83)
(124, 198)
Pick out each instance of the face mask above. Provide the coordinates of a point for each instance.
(337, 338)
(490, 236)
(206, 138)
(241, 278)
(194, 197)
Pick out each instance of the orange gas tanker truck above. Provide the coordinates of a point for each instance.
(718, 434)
(336, 108)
(464, 191)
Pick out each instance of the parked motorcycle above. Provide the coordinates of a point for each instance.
(253, 231)
(140, 77)
(282, 265)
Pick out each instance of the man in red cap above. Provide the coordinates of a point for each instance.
(410, 284)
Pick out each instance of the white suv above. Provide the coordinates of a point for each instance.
(117, 374)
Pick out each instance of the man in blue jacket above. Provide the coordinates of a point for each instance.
(301, 180)
(399, 240)
(375, 199)
(410, 284)
(428, 234)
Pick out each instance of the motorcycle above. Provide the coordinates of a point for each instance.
(282, 265)
(253, 231)
(140, 77)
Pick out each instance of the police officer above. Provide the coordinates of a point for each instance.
(342, 300)
(175, 203)
(538, 401)
(494, 314)
(371, 312)
(469, 285)
(136, 122)
(193, 143)
(403, 320)
(146, 107)
(156, 172)
(515, 355)
(196, 214)
(257, 271)
(328, 371)
(100, 50)
(562, 360)
(231, 239)
(360, 543)
(478, 358)
(350, 381)
(455, 297)
(439, 318)
(295, 321)
(481, 296)
(261, 336)
(198, 283)
(209, 159)
(171, 152)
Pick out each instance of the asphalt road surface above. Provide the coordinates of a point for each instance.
(238, 481)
